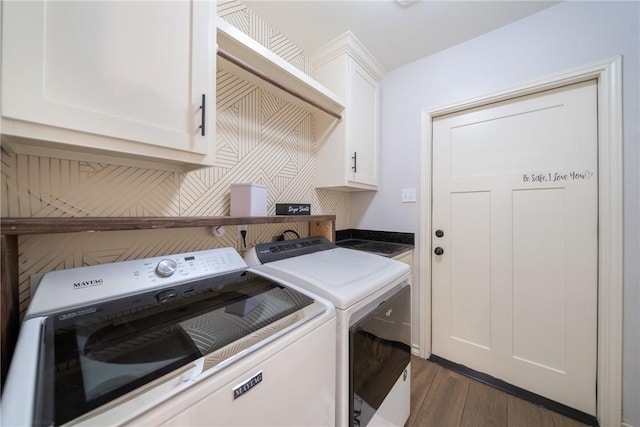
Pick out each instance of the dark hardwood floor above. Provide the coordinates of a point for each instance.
(443, 398)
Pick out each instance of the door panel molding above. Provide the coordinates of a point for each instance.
(608, 73)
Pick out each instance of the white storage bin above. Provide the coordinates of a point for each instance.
(248, 200)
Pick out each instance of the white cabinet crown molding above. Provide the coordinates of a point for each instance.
(349, 44)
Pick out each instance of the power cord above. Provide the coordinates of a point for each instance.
(281, 237)
(243, 233)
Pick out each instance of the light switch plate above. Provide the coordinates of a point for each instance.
(408, 195)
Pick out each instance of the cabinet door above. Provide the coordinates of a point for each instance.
(347, 68)
(363, 125)
(134, 71)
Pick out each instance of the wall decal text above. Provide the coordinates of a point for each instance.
(557, 176)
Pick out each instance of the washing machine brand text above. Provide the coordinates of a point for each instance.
(241, 389)
(88, 283)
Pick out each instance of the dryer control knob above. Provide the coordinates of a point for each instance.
(166, 267)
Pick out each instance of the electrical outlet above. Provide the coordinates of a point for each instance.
(408, 195)
(242, 236)
(241, 228)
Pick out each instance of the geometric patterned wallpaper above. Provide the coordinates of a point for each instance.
(258, 29)
(260, 138)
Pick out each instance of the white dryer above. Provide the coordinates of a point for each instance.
(372, 298)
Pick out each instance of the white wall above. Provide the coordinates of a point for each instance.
(571, 34)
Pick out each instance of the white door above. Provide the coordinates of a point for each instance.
(515, 196)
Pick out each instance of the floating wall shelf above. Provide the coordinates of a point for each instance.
(250, 60)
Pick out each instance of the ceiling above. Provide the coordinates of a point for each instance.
(396, 32)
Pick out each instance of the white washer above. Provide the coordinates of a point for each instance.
(186, 339)
(372, 299)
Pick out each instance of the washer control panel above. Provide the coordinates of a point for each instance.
(84, 285)
(189, 265)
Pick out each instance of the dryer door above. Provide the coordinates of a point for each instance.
(380, 351)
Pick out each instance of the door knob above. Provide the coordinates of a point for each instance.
(439, 233)
(438, 251)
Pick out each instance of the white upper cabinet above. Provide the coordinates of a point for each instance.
(121, 80)
(348, 155)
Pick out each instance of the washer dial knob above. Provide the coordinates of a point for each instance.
(166, 267)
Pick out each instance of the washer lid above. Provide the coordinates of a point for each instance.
(342, 276)
(89, 361)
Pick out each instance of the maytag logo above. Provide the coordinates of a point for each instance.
(241, 389)
(88, 283)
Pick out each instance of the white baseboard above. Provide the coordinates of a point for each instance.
(415, 350)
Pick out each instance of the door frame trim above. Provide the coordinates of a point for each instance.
(608, 73)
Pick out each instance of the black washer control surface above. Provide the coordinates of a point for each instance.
(276, 251)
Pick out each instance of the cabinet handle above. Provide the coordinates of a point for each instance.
(203, 114)
(355, 160)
